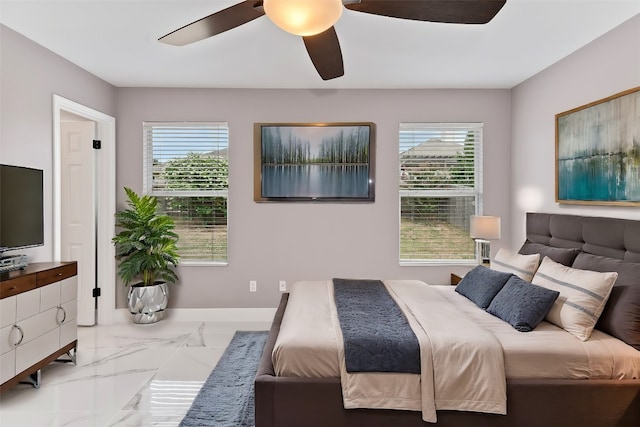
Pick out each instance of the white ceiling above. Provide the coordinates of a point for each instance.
(117, 41)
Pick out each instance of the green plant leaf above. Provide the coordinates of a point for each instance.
(146, 245)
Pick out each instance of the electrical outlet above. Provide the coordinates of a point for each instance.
(283, 286)
(253, 286)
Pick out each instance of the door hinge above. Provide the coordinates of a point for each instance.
(96, 292)
(97, 144)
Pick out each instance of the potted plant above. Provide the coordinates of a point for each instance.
(147, 250)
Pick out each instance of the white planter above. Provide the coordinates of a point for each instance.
(147, 304)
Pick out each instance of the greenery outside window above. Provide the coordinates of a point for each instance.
(186, 167)
(440, 188)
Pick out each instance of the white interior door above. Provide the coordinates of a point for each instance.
(78, 213)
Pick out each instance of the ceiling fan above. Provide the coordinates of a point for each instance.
(314, 19)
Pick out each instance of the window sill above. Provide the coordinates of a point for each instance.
(435, 263)
(203, 264)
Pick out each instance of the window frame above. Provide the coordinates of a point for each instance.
(148, 189)
(477, 192)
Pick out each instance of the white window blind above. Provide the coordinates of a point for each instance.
(440, 187)
(186, 167)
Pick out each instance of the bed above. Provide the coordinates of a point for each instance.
(599, 244)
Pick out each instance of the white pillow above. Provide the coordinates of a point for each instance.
(523, 266)
(583, 295)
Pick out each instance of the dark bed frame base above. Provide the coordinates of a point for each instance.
(311, 402)
(317, 402)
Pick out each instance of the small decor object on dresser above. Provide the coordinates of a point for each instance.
(146, 246)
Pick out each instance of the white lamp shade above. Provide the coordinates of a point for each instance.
(485, 227)
(303, 17)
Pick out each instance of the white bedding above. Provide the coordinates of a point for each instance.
(455, 374)
(308, 345)
(551, 352)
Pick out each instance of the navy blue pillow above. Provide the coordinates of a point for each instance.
(522, 304)
(481, 284)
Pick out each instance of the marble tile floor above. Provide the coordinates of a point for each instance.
(126, 375)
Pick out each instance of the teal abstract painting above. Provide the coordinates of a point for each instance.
(598, 152)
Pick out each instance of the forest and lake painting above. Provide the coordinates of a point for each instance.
(312, 162)
(598, 152)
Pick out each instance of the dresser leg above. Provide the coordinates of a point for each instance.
(71, 357)
(34, 379)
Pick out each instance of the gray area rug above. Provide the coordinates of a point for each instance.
(227, 398)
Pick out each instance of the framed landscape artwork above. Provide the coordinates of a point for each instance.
(314, 162)
(598, 152)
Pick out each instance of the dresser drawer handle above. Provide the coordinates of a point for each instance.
(21, 335)
(64, 315)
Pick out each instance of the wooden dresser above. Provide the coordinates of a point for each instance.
(38, 307)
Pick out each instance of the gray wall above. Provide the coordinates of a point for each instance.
(608, 65)
(271, 242)
(29, 76)
(286, 241)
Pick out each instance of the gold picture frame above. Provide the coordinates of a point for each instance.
(598, 152)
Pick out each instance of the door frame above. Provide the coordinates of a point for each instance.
(106, 200)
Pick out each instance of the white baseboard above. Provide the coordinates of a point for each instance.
(122, 315)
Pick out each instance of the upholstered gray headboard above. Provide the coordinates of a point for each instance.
(599, 244)
(610, 237)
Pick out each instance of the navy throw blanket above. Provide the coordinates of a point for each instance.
(377, 335)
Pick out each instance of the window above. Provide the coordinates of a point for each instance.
(186, 167)
(440, 188)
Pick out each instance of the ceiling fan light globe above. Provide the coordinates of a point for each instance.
(303, 17)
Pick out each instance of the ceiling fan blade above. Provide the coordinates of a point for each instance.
(325, 53)
(447, 11)
(221, 21)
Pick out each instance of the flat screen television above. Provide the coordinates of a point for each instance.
(314, 162)
(21, 208)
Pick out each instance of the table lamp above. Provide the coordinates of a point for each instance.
(484, 229)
